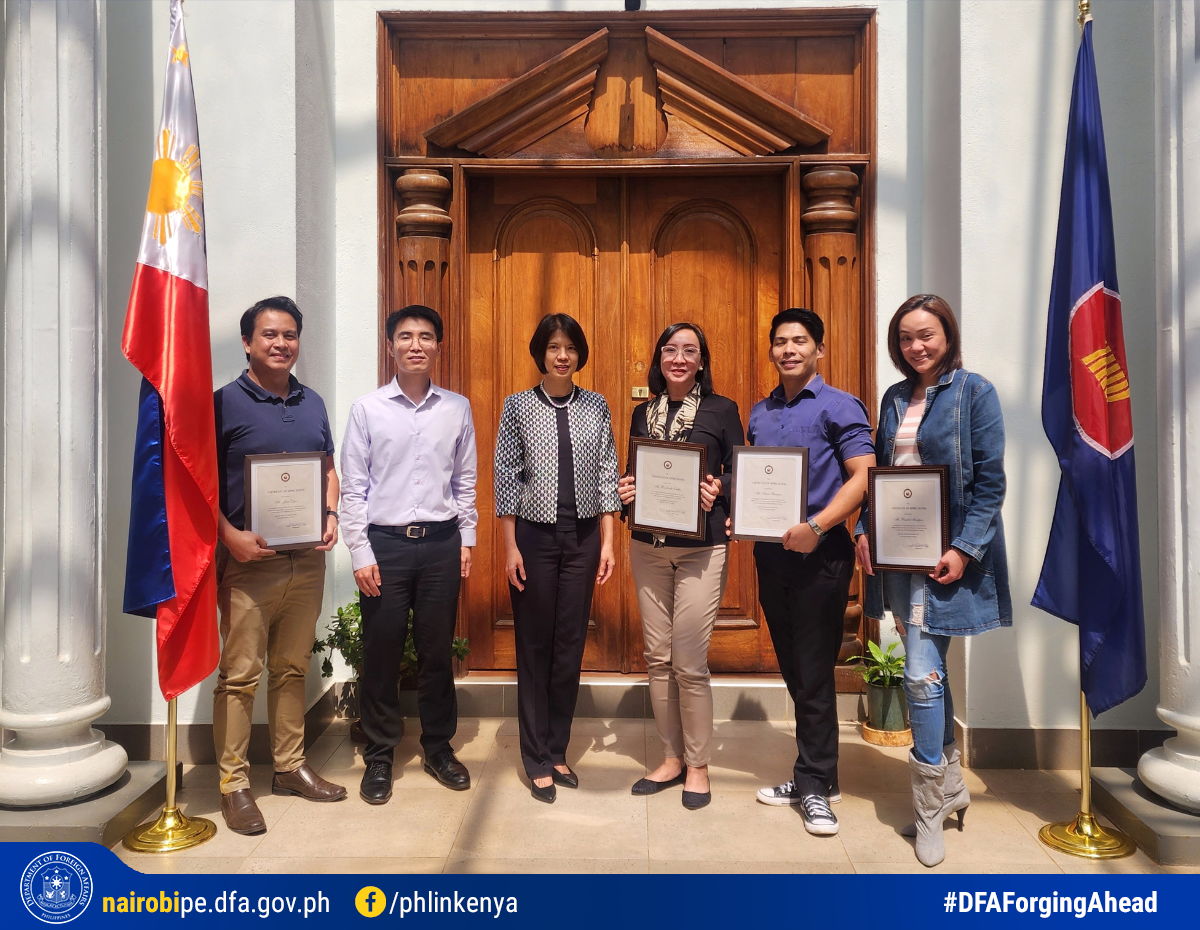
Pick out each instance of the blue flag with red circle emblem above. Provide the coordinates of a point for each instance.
(1091, 575)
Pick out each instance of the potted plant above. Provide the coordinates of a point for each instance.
(345, 635)
(883, 672)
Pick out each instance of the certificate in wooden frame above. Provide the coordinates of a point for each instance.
(285, 498)
(908, 516)
(770, 491)
(667, 476)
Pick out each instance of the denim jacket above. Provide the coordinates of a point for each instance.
(962, 427)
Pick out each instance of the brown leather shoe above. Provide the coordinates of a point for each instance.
(241, 813)
(308, 784)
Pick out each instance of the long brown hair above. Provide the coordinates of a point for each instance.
(939, 308)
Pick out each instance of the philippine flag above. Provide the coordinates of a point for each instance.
(170, 572)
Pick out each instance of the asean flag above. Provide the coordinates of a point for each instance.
(1091, 575)
(170, 572)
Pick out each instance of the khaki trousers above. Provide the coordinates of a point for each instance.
(679, 593)
(268, 610)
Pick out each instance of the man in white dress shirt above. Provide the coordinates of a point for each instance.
(408, 515)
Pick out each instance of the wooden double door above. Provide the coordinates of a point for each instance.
(626, 255)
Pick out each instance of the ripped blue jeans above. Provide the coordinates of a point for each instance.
(927, 688)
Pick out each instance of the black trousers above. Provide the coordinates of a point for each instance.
(551, 617)
(804, 599)
(421, 575)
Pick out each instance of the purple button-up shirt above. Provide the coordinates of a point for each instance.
(831, 423)
(407, 463)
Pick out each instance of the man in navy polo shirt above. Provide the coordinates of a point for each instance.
(803, 582)
(269, 601)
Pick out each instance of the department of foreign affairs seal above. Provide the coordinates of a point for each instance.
(56, 887)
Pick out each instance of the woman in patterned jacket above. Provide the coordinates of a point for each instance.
(556, 494)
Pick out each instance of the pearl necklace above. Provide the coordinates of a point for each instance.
(550, 400)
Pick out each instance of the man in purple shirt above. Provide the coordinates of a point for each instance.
(803, 582)
(409, 518)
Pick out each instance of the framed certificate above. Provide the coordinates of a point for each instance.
(285, 498)
(770, 491)
(908, 516)
(667, 476)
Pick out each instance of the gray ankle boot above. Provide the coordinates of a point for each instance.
(957, 796)
(928, 788)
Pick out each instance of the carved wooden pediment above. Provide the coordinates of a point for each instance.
(654, 94)
(528, 107)
(724, 106)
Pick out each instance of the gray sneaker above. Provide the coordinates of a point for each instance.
(818, 816)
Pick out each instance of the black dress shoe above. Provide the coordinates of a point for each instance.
(694, 800)
(448, 770)
(547, 794)
(645, 786)
(567, 779)
(376, 787)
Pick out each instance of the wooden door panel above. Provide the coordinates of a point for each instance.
(626, 257)
(534, 250)
(710, 252)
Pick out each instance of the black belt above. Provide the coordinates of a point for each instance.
(429, 530)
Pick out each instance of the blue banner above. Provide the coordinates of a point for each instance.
(85, 885)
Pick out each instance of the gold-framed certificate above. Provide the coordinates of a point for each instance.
(667, 477)
(908, 516)
(285, 498)
(770, 491)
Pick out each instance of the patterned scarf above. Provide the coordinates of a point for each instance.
(681, 426)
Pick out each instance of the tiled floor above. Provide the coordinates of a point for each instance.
(497, 827)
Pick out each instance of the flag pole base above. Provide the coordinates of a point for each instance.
(170, 833)
(1084, 837)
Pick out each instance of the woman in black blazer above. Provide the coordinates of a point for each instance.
(680, 581)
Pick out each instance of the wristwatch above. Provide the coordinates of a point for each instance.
(333, 513)
(815, 527)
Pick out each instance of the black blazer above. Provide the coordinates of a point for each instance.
(718, 428)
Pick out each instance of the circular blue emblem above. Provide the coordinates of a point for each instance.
(56, 887)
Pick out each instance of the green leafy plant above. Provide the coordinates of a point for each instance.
(881, 667)
(345, 635)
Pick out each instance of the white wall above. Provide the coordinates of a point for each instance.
(969, 164)
(1015, 99)
(264, 99)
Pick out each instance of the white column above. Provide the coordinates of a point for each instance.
(1173, 771)
(53, 684)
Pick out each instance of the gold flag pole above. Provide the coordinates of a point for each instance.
(1085, 12)
(1084, 836)
(172, 831)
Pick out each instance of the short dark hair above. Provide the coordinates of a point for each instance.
(802, 315)
(282, 304)
(940, 309)
(658, 383)
(553, 323)
(414, 312)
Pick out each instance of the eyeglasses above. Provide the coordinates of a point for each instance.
(691, 353)
(424, 339)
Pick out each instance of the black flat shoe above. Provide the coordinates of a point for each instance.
(694, 800)
(644, 786)
(547, 794)
(567, 779)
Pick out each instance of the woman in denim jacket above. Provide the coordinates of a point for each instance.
(941, 414)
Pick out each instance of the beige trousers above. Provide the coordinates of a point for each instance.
(679, 593)
(268, 610)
